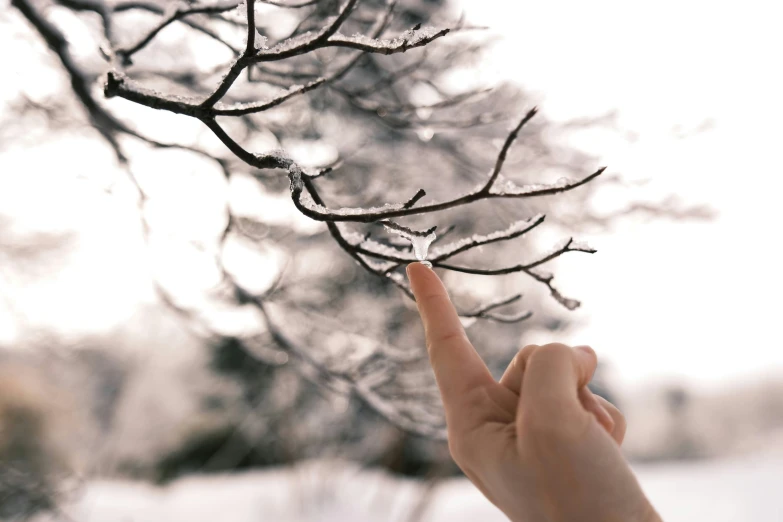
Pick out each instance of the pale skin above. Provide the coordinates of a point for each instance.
(537, 443)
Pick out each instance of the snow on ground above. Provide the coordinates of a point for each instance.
(727, 490)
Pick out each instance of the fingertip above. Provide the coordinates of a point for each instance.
(432, 301)
(423, 278)
(412, 272)
(416, 267)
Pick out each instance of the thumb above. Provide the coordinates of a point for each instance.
(554, 376)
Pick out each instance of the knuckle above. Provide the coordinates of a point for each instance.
(551, 352)
(519, 362)
(552, 430)
(555, 348)
(444, 338)
(451, 335)
(540, 423)
(523, 354)
(432, 299)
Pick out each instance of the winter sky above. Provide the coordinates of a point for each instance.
(698, 83)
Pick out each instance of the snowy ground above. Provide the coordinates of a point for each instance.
(729, 490)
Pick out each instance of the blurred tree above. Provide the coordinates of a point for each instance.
(32, 460)
(305, 121)
(682, 443)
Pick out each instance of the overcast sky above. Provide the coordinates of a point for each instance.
(697, 300)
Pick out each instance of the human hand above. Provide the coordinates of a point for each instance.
(538, 443)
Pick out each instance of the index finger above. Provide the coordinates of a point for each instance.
(457, 366)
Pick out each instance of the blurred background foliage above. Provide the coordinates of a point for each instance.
(194, 381)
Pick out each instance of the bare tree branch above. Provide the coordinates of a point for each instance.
(250, 108)
(176, 13)
(287, 49)
(504, 150)
(103, 122)
(318, 212)
(152, 7)
(528, 268)
(408, 40)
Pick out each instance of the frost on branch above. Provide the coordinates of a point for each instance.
(259, 42)
(506, 187)
(421, 241)
(407, 40)
(241, 10)
(307, 202)
(290, 44)
(241, 109)
(582, 246)
(384, 251)
(516, 229)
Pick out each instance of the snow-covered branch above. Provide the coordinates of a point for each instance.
(306, 42)
(318, 212)
(241, 109)
(529, 268)
(410, 39)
